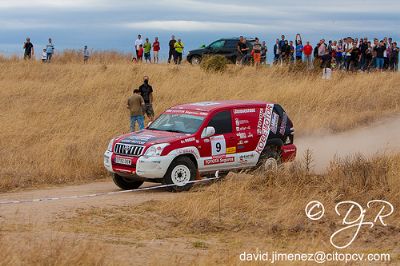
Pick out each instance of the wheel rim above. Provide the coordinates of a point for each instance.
(271, 164)
(180, 175)
(195, 61)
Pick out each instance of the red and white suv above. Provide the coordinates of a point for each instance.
(201, 138)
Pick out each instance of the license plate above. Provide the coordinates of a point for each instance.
(123, 161)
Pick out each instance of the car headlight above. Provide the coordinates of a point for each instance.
(155, 150)
(110, 145)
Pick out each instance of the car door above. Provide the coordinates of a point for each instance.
(218, 151)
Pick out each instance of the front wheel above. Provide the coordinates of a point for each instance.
(195, 60)
(126, 183)
(180, 174)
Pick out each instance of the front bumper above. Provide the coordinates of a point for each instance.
(147, 167)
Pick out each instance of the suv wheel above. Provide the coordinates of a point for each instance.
(195, 60)
(269, 161)
(126, 183)
(180, 173)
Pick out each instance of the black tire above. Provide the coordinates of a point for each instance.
(268, 155)
(195, 60)
(181, 171)
(126, 183)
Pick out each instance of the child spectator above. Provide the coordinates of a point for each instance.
(257, 52)
(44, 56)
(140, 53)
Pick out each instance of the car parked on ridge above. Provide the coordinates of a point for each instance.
(226, 47)
(201, 138)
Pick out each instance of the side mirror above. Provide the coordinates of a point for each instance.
(208, 132)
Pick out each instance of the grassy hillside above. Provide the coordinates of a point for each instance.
(56, 119)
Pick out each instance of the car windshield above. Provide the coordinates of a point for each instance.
(182, 123)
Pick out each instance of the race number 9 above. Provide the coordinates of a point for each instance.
(218, 145)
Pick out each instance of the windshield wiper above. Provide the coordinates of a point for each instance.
(175, 131)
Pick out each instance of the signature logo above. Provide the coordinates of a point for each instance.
(354, 217)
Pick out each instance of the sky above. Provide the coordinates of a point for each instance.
(114, 24)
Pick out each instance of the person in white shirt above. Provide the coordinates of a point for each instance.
(44, 56)
(138, 42)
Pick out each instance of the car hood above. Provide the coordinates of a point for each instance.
(198, 51)
(148, 137)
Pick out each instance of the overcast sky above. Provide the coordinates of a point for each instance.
(114, 24)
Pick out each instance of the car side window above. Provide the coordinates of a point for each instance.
(222, 122)
(231, 43)
(217, 44)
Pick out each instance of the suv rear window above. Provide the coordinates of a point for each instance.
(222, 122)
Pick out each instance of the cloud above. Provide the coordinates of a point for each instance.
(187, 25)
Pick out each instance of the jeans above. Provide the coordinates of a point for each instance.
(139, 119)
(49, 55)
(380, 62)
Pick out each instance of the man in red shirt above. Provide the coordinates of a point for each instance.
(307, 50)
(156, 49)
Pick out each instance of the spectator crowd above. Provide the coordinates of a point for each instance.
(348, 54)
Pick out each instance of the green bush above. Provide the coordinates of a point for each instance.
(216, 63)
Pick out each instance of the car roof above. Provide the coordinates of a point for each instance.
(216, 105)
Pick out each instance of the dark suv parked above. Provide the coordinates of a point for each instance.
(226, 47)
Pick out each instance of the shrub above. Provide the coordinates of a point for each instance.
(217, 63)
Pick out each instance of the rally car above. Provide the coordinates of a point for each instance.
(195, 139)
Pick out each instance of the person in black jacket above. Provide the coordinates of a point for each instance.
(146, 91)
(171, 45)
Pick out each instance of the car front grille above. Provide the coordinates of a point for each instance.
(127, 149)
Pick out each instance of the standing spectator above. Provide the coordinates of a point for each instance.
(44, 56)
(138, 42)
(156, 49)
(257, 52)
(239, 53)
(339, 54)
(315, 52)
(380, 60)
(363, 49)
(49, 50)
(394, 57)
(355, 56)
(348, 47)
(171, 45)
(277, 51)
(285, 52)
(178, 51)
(136, 106)
(299, 48)
(307, 55)
(28, 49)
(292, 51)
(147, 49)
(282, 45)
(368, 57)
(322, 48)
(264, 51)
(244, 49)
(86, 54)
(146, 91)
(139, 53)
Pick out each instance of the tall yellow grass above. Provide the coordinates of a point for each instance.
(56, 119)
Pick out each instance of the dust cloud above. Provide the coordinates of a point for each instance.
(380, 137)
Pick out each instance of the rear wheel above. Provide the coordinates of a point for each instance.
(180, 174)
(269, 161)
(126, 183)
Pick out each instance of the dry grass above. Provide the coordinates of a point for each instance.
(261, 212)
(56, 119)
